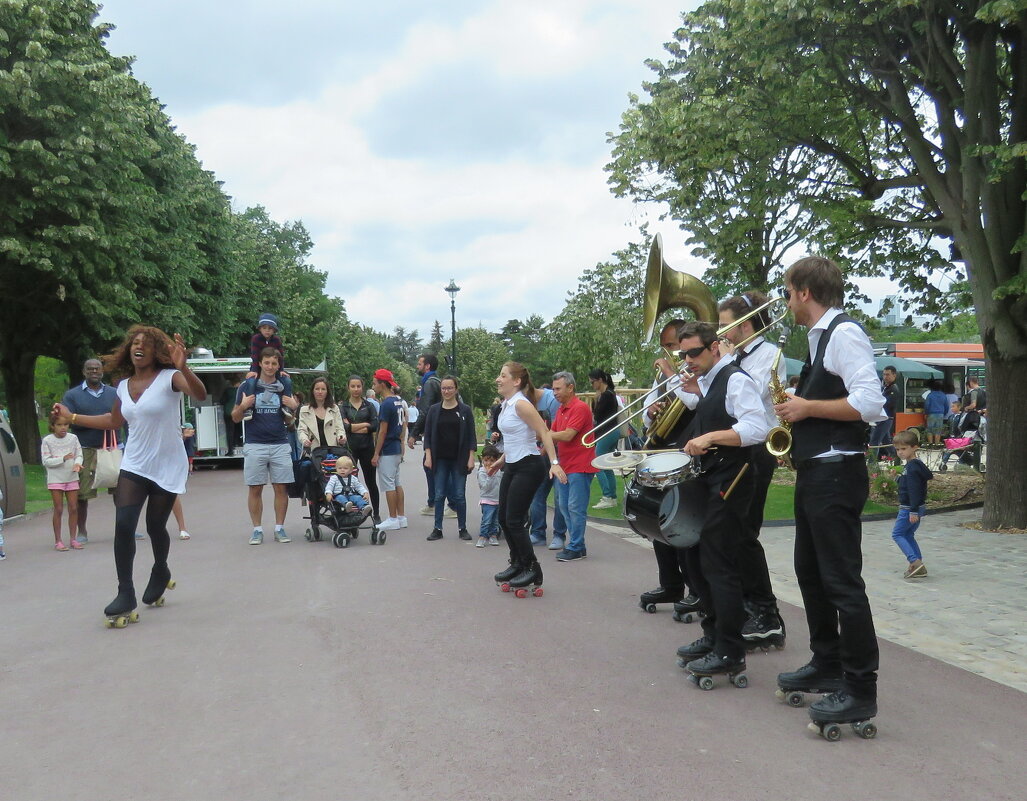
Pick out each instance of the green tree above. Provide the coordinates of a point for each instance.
(481, 355)
(437, 340)
(913, 112)
(405, 346)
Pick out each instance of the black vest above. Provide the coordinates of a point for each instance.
(711, 415)
(815, 435)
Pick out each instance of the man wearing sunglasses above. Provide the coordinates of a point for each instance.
(729, 419)
(837, 396)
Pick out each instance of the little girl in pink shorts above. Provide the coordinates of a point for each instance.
(62, 458)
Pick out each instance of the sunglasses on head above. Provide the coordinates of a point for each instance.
(691, 353)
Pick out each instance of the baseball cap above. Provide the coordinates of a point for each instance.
(385, 376)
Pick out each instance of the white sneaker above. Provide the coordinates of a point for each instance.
(183, 535)
(389, 524)
(450, 514)
(428, 510)
(402, 521)
(481, 543)
(605, 503)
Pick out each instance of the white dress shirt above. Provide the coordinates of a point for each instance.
(742, 402)
(850, 356)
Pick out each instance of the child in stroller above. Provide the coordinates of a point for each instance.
(325, 485)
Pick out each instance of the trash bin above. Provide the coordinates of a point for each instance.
(12, 473)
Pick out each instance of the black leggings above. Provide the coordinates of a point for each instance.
(129, 496)
(521, 479)
(363, 458)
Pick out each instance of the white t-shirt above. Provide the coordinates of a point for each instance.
(518, 437)
(154, 449)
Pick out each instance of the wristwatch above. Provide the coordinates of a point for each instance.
(554, 461)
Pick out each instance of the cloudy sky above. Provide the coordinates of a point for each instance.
(417, 142)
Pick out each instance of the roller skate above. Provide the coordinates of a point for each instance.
(532, 574)
(160, 580)
(764, 629)
(687, 609)
(122, 610)
(807, 679)
(503, 577)
(661, 595)
(703, 670)
(696, 650)
(840, 708)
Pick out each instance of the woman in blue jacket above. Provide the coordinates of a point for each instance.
(449, 448)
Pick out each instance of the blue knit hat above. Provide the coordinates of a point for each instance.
(268, 319)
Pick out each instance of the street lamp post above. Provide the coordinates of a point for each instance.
(452, 289)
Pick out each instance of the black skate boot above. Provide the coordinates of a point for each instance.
(121, 611)
(703, 670)
(840, 707)
(503, 577)
(764, 628)
(160, 580)
(695, 650)
(687, 609)
(532, 574)
(808, 679)
(661, 595)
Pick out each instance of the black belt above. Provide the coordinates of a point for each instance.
(840, 457)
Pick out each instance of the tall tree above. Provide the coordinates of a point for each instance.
(936, 93)
(481, 356)
(437, 340)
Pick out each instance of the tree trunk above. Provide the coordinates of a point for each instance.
(1005, 500)
(19, 373)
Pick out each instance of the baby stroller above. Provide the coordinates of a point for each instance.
(328, 519)
(967, 447)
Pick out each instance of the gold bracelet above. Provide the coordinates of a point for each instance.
(73, 418)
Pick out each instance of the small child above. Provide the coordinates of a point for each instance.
(266, 337)
(345, 488)
(912, 499)
(58, 449)
(488, 487)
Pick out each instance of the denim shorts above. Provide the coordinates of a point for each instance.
(935, 423)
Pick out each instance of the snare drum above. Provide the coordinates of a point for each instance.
(662, 470)
(674, 516)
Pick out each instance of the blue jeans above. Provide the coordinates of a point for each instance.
(539, 512)
(357, 500)
(881, 434)
(450, 481)
(572, 499)
(607, 482)
(489, 520)
(903, 534)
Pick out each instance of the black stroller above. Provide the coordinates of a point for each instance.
(341, 526)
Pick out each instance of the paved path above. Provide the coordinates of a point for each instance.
(401, 672)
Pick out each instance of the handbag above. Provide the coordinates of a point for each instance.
(108, 462)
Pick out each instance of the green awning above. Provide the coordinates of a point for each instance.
(907, 367)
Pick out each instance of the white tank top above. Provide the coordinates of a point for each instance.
(518, 438)
(154, 448)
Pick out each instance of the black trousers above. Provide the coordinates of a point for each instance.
(672, 564)
(829, 500)
(363, 457)
(752, 561)
(520, 481)
(713, 564)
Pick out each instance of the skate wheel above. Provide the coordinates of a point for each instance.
(832, 732)
(650, 608)
(796, 700)
(108, 623)
(683, 618)
(120, 622)
(865, 729)
(172, 584)
(159, 602)
(133, 618)
(504, 587)
(740, 681)
(520, 592)
(705, 682)
(537, 592)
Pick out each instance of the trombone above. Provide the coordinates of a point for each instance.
(662, 386)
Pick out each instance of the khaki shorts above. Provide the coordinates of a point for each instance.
(85, 476)
(388, 471)
(263, 462)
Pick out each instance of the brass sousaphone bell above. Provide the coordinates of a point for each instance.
(666, 288)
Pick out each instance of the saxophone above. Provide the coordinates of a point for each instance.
(779, 438)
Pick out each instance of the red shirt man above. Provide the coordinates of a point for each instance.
(573, 419)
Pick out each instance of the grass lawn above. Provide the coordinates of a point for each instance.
(37, 496)
(779, 506)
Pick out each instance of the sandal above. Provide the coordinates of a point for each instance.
(76, 545)
(60, 546)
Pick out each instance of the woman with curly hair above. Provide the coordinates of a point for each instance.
(155, 466)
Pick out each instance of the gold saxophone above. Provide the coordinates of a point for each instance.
(779, 438)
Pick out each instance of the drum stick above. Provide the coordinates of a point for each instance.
(742, 472)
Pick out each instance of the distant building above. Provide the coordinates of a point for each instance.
(893, 314)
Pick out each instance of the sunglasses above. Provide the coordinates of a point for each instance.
(691, 353)
(787, 294)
